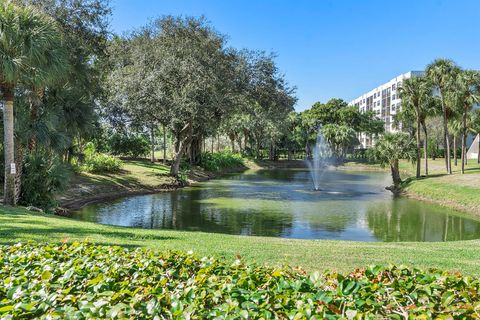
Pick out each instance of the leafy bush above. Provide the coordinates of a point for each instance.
(98, 162)
(221, 160)
(42, 176)
(132, 146)
(83, 281)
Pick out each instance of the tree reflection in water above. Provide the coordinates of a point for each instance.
(281, 203)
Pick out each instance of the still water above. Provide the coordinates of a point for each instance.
(282, 203)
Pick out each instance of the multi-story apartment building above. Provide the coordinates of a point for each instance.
(384, 102)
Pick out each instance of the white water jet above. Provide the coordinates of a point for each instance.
(321, 159)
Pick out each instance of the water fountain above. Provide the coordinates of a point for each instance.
(321, 159)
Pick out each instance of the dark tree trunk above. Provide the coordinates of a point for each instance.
(455, 162)
(307, 151)
(164, 144)
(257, 151)
(232, 142)
(179, 148)
(395, 174)
(194, 149)
(152, 143)
(425, 147)
(239, 141)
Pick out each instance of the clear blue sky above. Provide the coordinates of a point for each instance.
(332, 48)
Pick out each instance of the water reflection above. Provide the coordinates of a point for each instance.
(403, 220)
(281, 203)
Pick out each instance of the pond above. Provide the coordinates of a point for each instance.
(282, 203)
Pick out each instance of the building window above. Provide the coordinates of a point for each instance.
(393, 97)
(393, 87)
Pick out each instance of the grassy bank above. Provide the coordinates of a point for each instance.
(20, 225)
(136, 177)
(457, 191)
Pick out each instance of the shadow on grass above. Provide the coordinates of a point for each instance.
(21, 225)
(148, 164)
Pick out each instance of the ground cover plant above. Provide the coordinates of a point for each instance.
(82, 280)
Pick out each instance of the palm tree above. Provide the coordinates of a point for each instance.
(389, 149)
(27, 39)
(467, 93)
(416, 94)
(455, 127)
(441, 73)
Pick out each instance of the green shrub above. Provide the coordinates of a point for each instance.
(83, 281)
(132, 146)
(99, 162)
(221, 160)
(43, 175)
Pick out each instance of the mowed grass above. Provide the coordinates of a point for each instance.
(19, 225)
(135, 175)
(458, 191)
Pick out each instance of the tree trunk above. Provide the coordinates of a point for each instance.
(425, 147)
(258, 149)
(232, 143)
(307, 150)
(19, 157)
(455, 150)
(245, 140)
(164, 144)
(239, 141)
(179, 149)
(32, 143)
(9, 196)
(195, 147)
(152, 142)
(419, 145)
(395, 174)
(212, 143)
(464, 138)
(446, 138)
(218, 142)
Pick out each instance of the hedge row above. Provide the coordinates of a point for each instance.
(85, 281)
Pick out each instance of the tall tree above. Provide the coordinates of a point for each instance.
(441, 73)
(29, 41)
(416, 94)
(467, 94)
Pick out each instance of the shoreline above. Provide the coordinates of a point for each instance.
(195, 176)
(199, 175)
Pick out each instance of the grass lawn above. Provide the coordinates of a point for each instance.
(135, 175)
(20, 225)
(458, 191)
